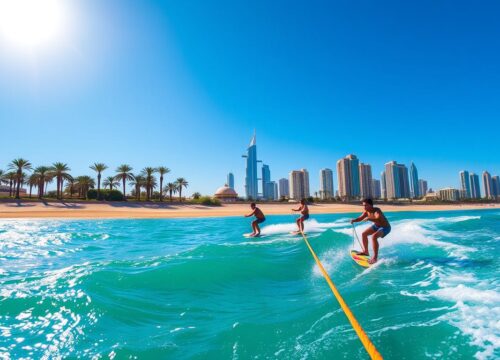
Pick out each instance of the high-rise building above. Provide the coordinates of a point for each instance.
(284, 188)
(414, 190)
(230, 180)
(326, 184)
(465, 184)
(449, 194)
(251, 184)
(269, 190)
(397, 182)
(383, 185)
(348, 177)
(475, 191)
(376, 192)
(299, 183)
(266, 179)
(487, 185)
(365, 181)
(422, 187)
(495, 185)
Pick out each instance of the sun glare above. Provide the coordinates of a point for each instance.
(31, 24)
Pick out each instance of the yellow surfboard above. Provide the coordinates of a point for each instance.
(361, 260)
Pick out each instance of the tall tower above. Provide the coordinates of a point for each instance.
(487, 185)
(284, 188)
(397, 182)
(348, 177)
(475, 191)
(251, 185)
(266, 179)
(383, 185)
(365, 181)
(495, 182)
(326, 184)
(299, 184)
(230, 180)
(414, 190)
(465, 183)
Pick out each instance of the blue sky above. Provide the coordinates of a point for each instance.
(184, 84)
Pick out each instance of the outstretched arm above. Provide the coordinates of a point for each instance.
(251, 214)
(300, 208)
(360, 218)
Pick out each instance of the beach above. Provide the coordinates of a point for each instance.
(143, 210)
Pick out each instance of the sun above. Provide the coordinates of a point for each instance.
(31, 24)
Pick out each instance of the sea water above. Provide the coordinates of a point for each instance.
(197, 289)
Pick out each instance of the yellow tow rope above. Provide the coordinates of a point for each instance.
(370, 348)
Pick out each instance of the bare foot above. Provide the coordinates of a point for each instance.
(372, 261)
(363, 253)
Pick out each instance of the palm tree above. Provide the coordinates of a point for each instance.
(137, 183)
(98, 168)
(42, 173)
(84, 183)
(70, 187)
(124, 173)
(181, 182)
(162, 170)
(171, 188)
(110, 181)
(33, 181)
(148, 172)
(10, 178)
(19, 165)
(60, 172)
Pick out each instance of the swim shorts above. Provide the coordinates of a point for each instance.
(385, 230)
(260, 221)
(304, 217)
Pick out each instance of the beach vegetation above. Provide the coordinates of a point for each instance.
(60, 172)
(124, 174)
(171, 188)
(150, 182)
(162, 170)
(110, 182)
(196, 195)
(105, 194)
(98, 168)
(18, 166)
(206, 200)
(181, 183)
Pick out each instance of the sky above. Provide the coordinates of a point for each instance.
(185, 84)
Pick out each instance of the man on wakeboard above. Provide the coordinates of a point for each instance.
(304, 210)
(259, 219)
(379, 229)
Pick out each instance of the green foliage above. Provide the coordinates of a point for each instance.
(310, 199)
(196, 195)
(107, 195)
(206, 200)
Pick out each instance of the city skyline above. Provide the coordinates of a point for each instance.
(193, 82)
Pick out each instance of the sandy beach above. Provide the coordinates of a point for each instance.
(85, 210)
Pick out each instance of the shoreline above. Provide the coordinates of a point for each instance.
(13, 209)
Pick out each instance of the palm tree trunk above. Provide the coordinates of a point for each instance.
(31, 187)
(180, 193)
(18, 186)
(124, 197)
(161, 188)
(98, 186)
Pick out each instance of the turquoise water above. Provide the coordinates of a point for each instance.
(197, 289)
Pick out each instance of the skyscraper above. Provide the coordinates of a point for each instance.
(414, 190)
(284, 188)
(376, 192)
(475, 191)
(269, 190)
(266, 179)
(365, 181)
(325, 184)
(251, 185)
(275, 190)
(383, 185)
(230, 180)
(397, 182)
(422, 187)
(348, 177)
(487, 185)
(465, 183)
(299, 184)
(495, 185)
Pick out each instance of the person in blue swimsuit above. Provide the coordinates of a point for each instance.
(304, 210)
(259, 219)
(379, 229)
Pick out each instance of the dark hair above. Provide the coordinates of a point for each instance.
(252, 204)
(303, 201)
(368, 201)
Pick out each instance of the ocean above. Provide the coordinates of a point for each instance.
(197, 289)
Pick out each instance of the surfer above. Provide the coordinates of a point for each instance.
(304, 210)
(259, 219)
(379, 229)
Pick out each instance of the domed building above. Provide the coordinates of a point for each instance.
(226, 194)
